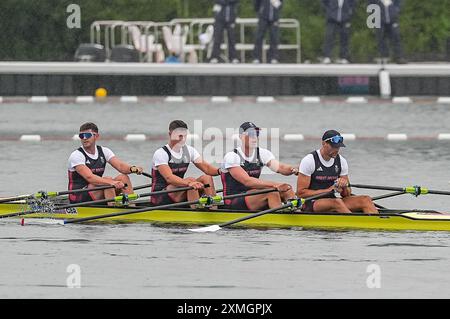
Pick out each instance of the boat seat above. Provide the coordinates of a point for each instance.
(90, 52)
(124, 53)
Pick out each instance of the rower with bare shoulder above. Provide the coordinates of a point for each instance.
(87, 164)
(325, 170)
(170, 164)
(242, 168)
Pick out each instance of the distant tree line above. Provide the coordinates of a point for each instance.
(37, 30)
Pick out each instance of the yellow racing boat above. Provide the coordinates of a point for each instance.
(387, 219)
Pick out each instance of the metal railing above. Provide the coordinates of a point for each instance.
(104, 32)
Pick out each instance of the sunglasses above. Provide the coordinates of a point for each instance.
(252, 133)
(335, 139)
(86, 135)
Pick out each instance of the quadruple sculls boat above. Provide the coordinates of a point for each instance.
(53, 208)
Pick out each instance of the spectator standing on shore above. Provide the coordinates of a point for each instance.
(389, 29)
(225, 12)
(338, 16)
(268, 18)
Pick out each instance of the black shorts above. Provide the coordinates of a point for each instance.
(237, 203)
(80, 197)
(308, 206)
(162, 199)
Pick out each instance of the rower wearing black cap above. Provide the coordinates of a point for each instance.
(242, 168)
(325, 170)
(170, 164)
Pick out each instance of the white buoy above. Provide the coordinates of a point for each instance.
(443, 136)
(135, 137)
(265, 99)
(129, 99)
(38, 99)
(385, 84)
(175, 99)
(1, 99)
(349, 137)
(30, 138)
(356, 99)
(444, 100)
(75, 137)
(401, 99)
(311, 99)
(220, 99)
(397, 137)
(293, 137)
(84, 99)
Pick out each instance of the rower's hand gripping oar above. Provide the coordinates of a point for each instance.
(293, 203)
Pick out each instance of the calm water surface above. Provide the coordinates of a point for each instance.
(144, 261)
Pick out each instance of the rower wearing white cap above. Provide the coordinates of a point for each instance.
(325, 170)
(242, 168)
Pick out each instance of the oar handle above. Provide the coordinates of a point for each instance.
(146, 175)
(264, 191)
(84, 190)
(142, 187)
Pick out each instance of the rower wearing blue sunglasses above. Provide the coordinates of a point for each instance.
(325, 170)
(87, 164)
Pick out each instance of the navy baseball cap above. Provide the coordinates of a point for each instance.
(334, 138)
(246, 126)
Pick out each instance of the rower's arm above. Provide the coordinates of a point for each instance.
(120, 165)
(239, 174)
(303, 191)
(171, 178)
(282, 168)
(206, 167)
(90, 177)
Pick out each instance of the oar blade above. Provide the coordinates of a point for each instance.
(207, 229)
(41, 221)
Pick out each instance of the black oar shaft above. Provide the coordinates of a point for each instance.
(267, 211)
(148, 209)
(271, 210)
(142, 187)
(383, 188)
(399, 189)
(388, 195)
(104, 201)
(430, 191)
(141, 210)
(97, 202)
(84, 190)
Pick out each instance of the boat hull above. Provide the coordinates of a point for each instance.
(407, 220)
